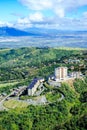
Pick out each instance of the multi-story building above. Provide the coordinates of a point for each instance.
(76, 74)
(60, 73)
(34, 85)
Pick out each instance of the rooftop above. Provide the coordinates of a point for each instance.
(33, 83)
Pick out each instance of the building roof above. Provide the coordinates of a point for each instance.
(35, 80)
(33, 83)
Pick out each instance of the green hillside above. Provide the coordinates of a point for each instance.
(19, 66)
(22, 65)
(68, 114)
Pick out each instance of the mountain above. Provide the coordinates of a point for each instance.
(41, 30)
(10, 31)
(54, 32)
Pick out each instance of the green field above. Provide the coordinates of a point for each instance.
(11, 104)
(7, 84)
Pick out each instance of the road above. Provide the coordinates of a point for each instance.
(41, 100)
(1, 102)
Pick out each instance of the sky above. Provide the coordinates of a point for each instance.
(52, 14)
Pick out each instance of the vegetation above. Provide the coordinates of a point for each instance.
(52, 97)
(69, 114)
(20, 66)
(15, 104)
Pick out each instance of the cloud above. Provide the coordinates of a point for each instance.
(37, 4)
(36, 17)
(58, 19)
(85, 14)
(23, 23)
(23, 20)
(31, 20)
(33, 17)
(60, 7)
(60, 12)
(2, 23)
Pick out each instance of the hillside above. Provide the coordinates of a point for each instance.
(68, 114)
(19, 66)
(25, 62)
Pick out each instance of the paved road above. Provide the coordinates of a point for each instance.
(41, 100)
(1, 102)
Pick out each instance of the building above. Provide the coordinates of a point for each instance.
(60, 73)
(34, 85)
(75, 74)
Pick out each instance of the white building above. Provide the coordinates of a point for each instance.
(34, 85)
(75, 74)
(60, 73)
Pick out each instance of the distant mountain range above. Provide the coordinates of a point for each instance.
(41, 37)
(52, 31)
(10, 31)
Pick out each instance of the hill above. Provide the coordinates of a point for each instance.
(10, 31)
(19, 66)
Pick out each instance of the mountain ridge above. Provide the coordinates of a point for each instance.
(10, 31)
(34, 31)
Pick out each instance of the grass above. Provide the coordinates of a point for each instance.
(11, 104)
(26, 97)
(52, 97)
(4, 50)
(48, 86)
(7, 84)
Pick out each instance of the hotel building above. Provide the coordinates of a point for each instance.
(60, 73)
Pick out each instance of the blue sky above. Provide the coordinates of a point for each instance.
(60, 14)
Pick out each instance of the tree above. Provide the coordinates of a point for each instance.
(83, 97)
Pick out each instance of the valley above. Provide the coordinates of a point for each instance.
(73, 39)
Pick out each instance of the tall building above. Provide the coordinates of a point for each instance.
(60, 73)
(34, 85)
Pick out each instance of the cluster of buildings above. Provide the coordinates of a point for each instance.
(60, 74)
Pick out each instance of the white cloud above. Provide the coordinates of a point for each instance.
(37, 4)
(33, 17)
(36, 17)
(28, 21)
(2, 23)
(58, 20)
(23, 20)
(60, 12)
(22, 23)
(60, 7)
(85, 14)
